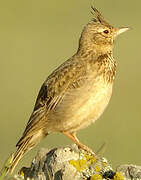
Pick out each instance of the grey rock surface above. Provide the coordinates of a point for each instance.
(71, 163)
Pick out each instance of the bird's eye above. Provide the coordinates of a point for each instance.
(106, 31)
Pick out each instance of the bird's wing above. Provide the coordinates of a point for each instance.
(68, 75)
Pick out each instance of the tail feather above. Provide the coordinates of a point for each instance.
(25, 144)
(22, 149)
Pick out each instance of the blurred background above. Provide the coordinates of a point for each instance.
(37, 36)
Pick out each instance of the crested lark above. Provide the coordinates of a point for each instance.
(77, 92)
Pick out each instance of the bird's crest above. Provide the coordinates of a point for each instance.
(98, 17)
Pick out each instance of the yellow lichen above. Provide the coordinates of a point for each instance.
(79, 164)
(82, 164)
(89, 158)
(96, 177)
(21, 173)
(97, 169)
(104, 164)
(118, 176)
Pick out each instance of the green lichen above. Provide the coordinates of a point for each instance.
(118, 176)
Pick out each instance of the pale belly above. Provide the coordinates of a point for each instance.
(80, 107)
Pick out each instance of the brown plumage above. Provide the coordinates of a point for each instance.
(77, 92)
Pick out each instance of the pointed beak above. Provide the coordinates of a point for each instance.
(121, 30)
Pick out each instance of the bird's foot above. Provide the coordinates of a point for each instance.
(86, 148)
(73, 137)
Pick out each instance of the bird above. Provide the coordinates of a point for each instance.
(76, 93)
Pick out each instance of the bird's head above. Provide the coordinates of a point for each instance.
(98, 34)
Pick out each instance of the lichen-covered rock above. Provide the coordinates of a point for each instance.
(71, 163)
(130, 171)
(67, 163)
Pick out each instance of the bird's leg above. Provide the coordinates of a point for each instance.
(74, 138)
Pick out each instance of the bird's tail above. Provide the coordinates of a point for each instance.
(26, 143)
(21, 150)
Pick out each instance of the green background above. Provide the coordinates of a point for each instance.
(35, 37)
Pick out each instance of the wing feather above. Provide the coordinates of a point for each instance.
(52, 93)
